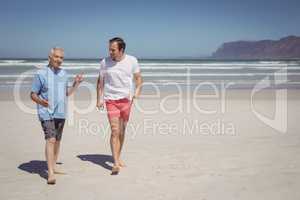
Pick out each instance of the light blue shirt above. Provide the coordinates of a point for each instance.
(51, 85)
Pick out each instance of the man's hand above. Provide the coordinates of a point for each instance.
(44, 102)
(78, 79)
(38, 100)
(136, 95)
(100, 104)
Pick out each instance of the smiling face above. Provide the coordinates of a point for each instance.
(56, 58)
(115, 53)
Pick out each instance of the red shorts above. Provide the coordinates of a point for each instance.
(118, 108)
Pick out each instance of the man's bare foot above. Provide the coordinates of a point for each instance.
(59, 172)
(115, 170)
(51, 179)
(121, 163)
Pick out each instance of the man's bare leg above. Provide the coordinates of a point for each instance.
(49, 151)
(122, 137)
(115, 141)
(56, 152)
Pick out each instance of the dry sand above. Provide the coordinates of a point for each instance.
(181, 155)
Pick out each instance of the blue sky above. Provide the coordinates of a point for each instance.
(150, 28)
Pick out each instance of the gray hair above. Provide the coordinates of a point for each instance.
(55, 49)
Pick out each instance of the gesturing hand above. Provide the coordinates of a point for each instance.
(78, 78)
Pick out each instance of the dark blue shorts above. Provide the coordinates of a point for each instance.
(53, 128)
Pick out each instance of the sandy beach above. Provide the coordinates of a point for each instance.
(227, 154)
(217, 113)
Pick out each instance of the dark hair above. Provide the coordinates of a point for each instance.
(119, 41)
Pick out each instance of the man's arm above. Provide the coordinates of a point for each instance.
(34, 97)
(100, 87)
(77, 80)
(138, 84)
(35, 89)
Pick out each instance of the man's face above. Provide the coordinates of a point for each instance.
(56, 59)
(114, 51)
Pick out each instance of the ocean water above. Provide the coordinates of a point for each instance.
(170, 74)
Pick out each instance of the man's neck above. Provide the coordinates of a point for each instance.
(55, 69)
(120, 58)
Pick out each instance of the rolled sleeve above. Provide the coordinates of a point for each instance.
(36, 84)
(135, 66)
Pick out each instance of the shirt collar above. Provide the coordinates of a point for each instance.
(55, 71)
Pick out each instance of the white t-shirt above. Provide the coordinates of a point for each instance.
(118, 77)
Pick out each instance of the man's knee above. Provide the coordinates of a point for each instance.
(51, 141)
(115, 132)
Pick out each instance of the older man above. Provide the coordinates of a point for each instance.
(114, 88)
(49, 92)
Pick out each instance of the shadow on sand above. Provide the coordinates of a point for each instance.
(35, 167)
(98, 159)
